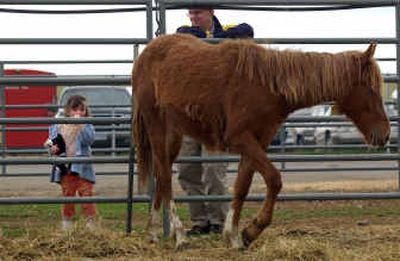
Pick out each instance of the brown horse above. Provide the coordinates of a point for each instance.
(233, 97)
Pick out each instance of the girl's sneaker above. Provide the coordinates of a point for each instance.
(90, 224)
(66, 224)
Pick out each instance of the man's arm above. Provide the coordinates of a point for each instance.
(239, 31)
(193, 30)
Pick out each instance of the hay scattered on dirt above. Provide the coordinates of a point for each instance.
(324, 241)
(296, 242)
(370, 237)
(78, 242)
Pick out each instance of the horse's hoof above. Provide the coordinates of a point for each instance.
(226, 237)
(153, 239)
(232, 241)
(182, 245)
(246, 239)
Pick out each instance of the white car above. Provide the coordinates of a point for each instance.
(306, 135)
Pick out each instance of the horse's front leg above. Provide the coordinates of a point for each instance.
(273, 180)
(247, 145)
(174, 141)
(177, 231)
(152, 222)
(151, 228)
(241, 188)
(176, 227)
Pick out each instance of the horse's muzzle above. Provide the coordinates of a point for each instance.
(379, 139)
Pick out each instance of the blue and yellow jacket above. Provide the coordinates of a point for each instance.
(219, 31)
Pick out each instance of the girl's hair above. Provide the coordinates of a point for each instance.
(74, 102)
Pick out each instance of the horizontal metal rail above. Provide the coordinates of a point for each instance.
(282, 3)
(73, 2)
(384, 40)
(66, 80)
(92, 120)
(55, 106)
(109, 120)
(241, 7)
(8, 62)
(89, 80)
(297, 123)
(309, 121)
(271, 148)
(229, 171)
(44, 150)
(109, 129)
(73, 61)
(42, 174)
(216, 198)
(127, 127)
(274, 158)
(70, 41)
(133, 41)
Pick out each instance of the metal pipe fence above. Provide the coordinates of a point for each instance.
(162, 6)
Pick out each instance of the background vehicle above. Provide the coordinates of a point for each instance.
(306, 135)
(28, 95)
(104, 101)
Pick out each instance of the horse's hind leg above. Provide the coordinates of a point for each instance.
(241, 189)
(161, 170)
(177, 232)
(248, 146)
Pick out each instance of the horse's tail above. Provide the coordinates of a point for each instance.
(140, 138)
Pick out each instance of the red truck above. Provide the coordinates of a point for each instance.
(28, 95)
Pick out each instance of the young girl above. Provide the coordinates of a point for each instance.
(79, 177)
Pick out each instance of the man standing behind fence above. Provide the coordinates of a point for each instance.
(209, 178)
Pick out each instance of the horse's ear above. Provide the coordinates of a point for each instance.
(369, 53)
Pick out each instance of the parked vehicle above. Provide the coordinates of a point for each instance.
(104, 101)
(28, 95)
(306, 135)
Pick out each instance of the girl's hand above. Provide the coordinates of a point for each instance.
(54, 149)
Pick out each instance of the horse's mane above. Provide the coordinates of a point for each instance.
(304, 76)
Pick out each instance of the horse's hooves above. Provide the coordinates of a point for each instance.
(232, 241)
(226, 237)
(182, 245)
(153, 239)
(246, 239)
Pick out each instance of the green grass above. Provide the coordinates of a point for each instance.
(14, 220)
(349, 211)
(330, 151)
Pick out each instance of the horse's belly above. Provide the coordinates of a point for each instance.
(205, 125)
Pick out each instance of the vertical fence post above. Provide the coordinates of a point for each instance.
(282, 138)
(3, 115)
(162, 30)
(149, 21)
(162, 17)
(132, 160)
(397, 19)
(130, 188)
(113, 133)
